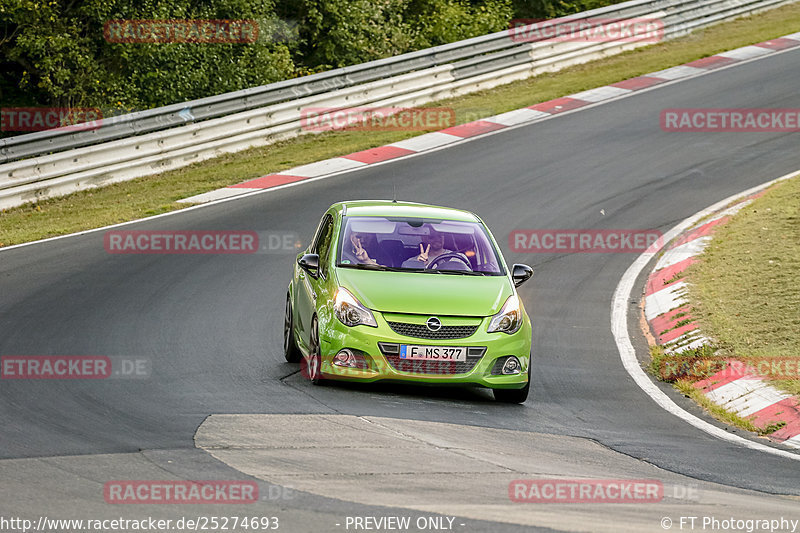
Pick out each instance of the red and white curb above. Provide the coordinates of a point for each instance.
(435, 140)
(669, 313)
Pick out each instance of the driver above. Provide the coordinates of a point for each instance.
(435, 248)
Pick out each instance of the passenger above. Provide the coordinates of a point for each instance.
(366, 245)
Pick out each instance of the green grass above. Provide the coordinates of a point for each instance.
(158, 194)
(685, 386)
(659, 360)
(746, 288)
(676, 277)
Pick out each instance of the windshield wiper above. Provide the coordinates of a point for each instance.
(462, 272)
(365, 266)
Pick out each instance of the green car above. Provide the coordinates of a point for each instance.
(408, 292)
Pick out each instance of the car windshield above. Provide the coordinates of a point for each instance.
(418, 245)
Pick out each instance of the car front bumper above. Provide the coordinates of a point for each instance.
(375, 345)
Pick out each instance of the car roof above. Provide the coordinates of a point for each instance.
(382, 208)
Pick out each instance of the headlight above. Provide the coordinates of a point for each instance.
(511, 366)
(345, 358)
(350, 312)
(509, 319)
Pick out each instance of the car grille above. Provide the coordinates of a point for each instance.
(421, 331)
(391, 352)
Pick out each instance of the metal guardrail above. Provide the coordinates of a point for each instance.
(55, 162)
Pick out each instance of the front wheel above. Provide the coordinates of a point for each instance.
(314, 355)
(290, 350)
(514, 395)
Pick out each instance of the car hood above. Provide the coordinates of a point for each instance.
(431, 294)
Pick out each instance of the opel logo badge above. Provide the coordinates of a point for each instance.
(434, 324)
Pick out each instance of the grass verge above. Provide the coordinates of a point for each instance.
(658, 362)
(744, 294)
(157, 194)
(745, 289)
(686, 388)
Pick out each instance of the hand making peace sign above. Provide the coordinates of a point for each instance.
(423, 253)
(359, 251)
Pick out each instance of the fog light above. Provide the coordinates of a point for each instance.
(345, 358)
(511, 366)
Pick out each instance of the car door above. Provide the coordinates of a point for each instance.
(308, 286)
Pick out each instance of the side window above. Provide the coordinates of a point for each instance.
(322, 246)
(317, 234)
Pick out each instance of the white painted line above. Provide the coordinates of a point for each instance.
(685, 339)
(676, 73)
(518, 116)
(757, 400)
(728, 212)
(794, 442)
(312, 170)
(691, 346)
(619, 328)
(217, 194)
(683, 252)
(746, 52)
(745, 396)
(664, 300)
(734, 390)
(427, 141)
(600, 94)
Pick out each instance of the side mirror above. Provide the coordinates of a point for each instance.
(521, 273)
(310, 263)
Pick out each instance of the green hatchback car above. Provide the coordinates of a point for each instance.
(408, 292)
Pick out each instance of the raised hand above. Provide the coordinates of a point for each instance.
(423, 253)
(359, 251)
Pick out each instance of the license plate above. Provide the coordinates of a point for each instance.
(433, 353)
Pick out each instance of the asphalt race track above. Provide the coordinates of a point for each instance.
(211, 325)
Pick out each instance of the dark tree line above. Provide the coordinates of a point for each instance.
(55, 53)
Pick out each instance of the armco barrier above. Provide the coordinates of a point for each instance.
(52, 163)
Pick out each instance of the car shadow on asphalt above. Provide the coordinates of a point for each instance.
(393, 390)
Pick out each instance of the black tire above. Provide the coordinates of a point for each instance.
(314, 356)
(290, 349)
(514, 395)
